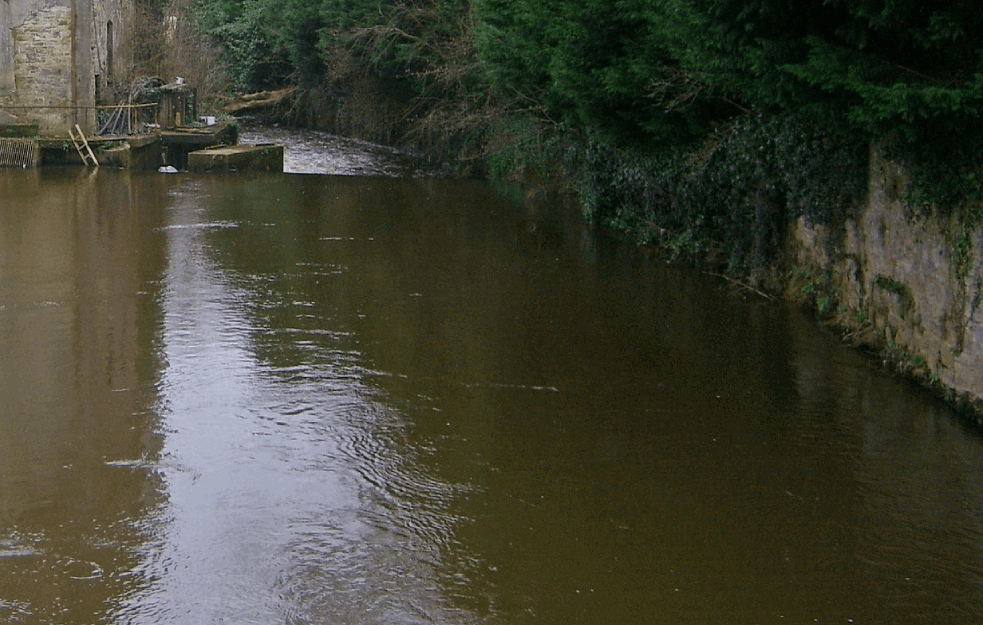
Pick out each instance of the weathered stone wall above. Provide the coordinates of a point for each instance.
(43, 65)
(7, 85)
(112, 26)
(51, 52)
(913, 283)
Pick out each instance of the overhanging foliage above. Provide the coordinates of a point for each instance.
(650, 76)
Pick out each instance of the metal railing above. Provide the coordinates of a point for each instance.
(125, 119)
(19, 152)
(122, 119)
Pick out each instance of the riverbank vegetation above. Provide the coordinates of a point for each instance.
(701, 125)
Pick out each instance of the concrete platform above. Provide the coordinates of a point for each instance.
(142, 152)
(180, 142)
(264, 157)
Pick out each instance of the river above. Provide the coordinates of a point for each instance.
(317, 399)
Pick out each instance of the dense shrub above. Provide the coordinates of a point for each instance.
(732, 194)
(703, 120)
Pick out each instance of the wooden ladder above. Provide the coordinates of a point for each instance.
(80, 142)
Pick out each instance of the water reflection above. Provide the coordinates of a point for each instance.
(309, 399)
(290, 496)
(77, 272)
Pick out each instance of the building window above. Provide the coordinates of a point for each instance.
(109, 48)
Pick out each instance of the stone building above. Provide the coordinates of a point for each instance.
(56, 56)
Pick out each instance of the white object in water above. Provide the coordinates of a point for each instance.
(167, 169)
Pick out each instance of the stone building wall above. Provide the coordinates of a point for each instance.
(43, 66)
(52, 52)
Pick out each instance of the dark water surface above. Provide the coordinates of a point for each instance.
(347, 400)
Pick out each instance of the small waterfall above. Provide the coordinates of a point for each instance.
(19, 152)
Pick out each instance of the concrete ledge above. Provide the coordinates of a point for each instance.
(266, 157)
(133, 153)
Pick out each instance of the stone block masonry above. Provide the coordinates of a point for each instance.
(43, 57)
(38, 68)
(52, 53)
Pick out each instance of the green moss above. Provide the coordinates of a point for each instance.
(901, 290)
(962, 248)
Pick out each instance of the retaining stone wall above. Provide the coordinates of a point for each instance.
(915, 283)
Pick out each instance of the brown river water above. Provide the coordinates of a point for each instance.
(311, 400)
